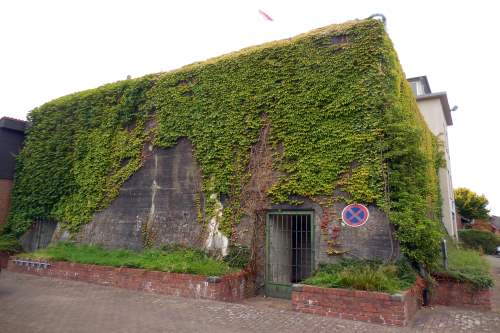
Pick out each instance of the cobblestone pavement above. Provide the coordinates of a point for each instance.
(495, 269)
(35, 304)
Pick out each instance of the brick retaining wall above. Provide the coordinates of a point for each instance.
(5, 189)
(373, 307)
(229, 288)
(450, 292)
(4, 259)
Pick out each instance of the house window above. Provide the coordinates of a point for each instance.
(417, 87)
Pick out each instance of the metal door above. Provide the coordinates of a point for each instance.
(289, 250)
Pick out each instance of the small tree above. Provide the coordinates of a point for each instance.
(470, 204)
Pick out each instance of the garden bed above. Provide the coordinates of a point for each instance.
(371, 291)
(451, 292)
(465, 283)
(175, 271)
(232, 287)
(369, 306)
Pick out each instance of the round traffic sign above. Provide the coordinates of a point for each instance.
(355, 215)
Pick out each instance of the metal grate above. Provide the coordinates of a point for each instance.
(289, 251)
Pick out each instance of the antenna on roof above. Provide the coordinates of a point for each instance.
(378, 16)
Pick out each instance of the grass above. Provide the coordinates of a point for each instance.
(175, 260)
(364, 275)
(468, 266)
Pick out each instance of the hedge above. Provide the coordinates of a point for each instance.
(480, 240)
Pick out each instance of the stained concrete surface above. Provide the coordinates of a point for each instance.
(159, 202)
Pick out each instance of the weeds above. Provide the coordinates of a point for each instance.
(468, 266)
(174, 259)
(364, 275)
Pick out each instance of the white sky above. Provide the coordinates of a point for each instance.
(52, 48)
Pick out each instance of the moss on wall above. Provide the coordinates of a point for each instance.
(342, 120)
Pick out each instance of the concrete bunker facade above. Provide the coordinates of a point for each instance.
(261, 149)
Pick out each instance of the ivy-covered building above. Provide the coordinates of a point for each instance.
(260, 149)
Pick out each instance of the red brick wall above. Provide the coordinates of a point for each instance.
(454, 293)
(4, 259)
(5, 188)
(460, 225)
(229, 288)
(374, 307)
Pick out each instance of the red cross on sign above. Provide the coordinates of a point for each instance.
(355, 215)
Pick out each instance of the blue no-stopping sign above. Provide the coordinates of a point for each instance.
(355, 215)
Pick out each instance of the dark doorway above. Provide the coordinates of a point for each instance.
(289, 251)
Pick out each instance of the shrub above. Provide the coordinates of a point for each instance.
(364, 275)
(9, 244)
(238, 256)
(480, 240)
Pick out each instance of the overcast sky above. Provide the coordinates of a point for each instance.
(52, 48)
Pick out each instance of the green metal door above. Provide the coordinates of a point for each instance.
(289, 250)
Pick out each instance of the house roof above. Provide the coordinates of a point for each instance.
(425, 82)
(13, 124)
(495, 222)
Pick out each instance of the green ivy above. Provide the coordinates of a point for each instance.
(78, 152)
(342, 120)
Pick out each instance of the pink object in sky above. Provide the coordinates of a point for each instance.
(269, 18)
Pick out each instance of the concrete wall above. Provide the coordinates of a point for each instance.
(157, 205)
(374, 240)
(160, 204)
(38, 236)
(432, 111)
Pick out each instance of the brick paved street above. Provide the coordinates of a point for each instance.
(34, 304)
(495, 267)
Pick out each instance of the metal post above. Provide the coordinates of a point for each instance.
(444, 251)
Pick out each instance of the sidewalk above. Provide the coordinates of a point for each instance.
(34, 304)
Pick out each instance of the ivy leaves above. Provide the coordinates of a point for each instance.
(73, 160)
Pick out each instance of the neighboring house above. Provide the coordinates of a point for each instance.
(495, 224)
(11, 140)
(481, 225)
(463, 222)
(436, 111)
